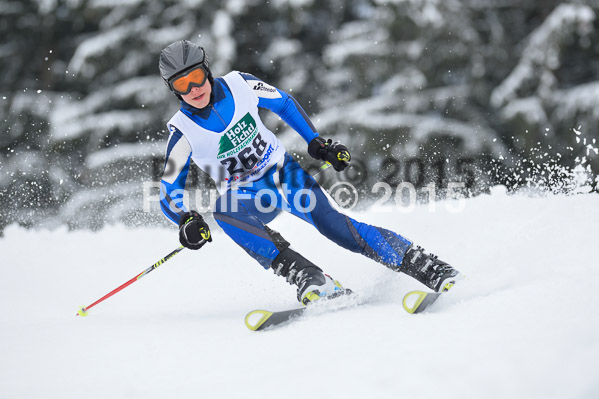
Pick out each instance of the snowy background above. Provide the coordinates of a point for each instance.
(482, 92)
(497, 95)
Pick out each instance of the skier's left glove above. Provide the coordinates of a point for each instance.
(326, 150)
(193, 231)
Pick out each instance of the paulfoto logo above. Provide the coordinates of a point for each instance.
(405, 198)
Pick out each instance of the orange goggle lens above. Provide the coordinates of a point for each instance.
(184, 83)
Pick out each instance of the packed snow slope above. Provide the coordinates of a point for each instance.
(524, 324)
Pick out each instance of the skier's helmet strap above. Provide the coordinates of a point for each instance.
(180, 57)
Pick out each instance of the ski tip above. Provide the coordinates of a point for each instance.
(81, 311)
(418, 301)
(256, 318)
(412, 300)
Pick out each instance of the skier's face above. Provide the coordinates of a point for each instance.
(198, 97)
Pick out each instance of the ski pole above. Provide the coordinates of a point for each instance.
(324, 167)
(83, 309)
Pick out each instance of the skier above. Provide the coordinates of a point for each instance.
(219, 128)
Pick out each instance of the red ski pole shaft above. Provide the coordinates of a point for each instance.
(83, 310)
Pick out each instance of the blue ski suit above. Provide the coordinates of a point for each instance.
(252, 197)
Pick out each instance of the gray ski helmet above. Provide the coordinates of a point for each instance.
(179, 56)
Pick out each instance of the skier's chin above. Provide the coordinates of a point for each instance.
(200, 101)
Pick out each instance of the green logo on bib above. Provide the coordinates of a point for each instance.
(238, 137)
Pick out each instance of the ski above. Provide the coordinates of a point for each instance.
(258, 320)
(418, 301)
(267, 318)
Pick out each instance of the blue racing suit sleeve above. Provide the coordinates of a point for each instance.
(283, 105)
(176, 169)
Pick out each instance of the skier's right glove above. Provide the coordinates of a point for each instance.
(326, 150)
(193, 231)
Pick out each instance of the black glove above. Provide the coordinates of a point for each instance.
(193, 231)
(334, 153)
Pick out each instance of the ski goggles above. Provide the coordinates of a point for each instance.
(195, 77)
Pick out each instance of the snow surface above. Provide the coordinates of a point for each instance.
(523, 324)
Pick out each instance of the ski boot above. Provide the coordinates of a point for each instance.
(312, 283)
(313, 286)
(429, 270)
